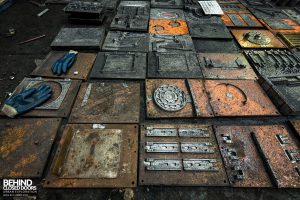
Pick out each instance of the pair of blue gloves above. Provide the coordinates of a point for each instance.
(64, 63)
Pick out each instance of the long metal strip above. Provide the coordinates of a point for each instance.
(163, 164)
(162, 147)
(200, 165)
(196, 147)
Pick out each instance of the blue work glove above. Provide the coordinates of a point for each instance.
(26, 100)
(64, 63)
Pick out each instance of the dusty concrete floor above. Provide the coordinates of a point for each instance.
(18, 61)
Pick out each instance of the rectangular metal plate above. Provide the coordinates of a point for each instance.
(281, 25)
(189, 98)
(173, 65)
(63, 95)
(107, 103)
(25, 146)
(239, 98)
(243, 163)
(166, 4)
(89, 157)
(225, 66)
(256, 39)
(274, 63)
(241, 20)
(183, 167)
(267, 12)
(292, 40)
(170, 43)
(294, 14)
(211, 7)
(234, 8)
(283, 169)
(215, 46)
(118, 65)
(84, 7)
(166, 26)
(126, 41)
(79, 38)
(170, 14)
(79, 70)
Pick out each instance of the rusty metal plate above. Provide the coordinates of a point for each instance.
(166, 26)
(239, 98)
(107, 103)
(193, 167)
(244, 166)
(170, 43)
(280, 151)
(292, 40)
(25, 146)
(296, 126)
(166, 4)
(126, 41)
(213, 45)
(267, 12)
(234, 8)
(64, 92)
(119, 65)
(171, 14)
(294, 14)
(79, 70)
(176, 98)
(95, 156)
(174, 65)
(284, 92)
(274, 63)
(225, 66)
(79, 38)
(241, 20)
(281, 25)
(256, 39)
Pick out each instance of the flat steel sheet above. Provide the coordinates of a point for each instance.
(234, 8)
(168, 27)
(79, 70)
(95, 156)
(257, 39)
(241, 20)
(244, 166)
(215, 46)
(293, 14)
(170, 43)
(280, 151)
(174, 65)
(267, 12)
(281, 25)
(170, 14)
(79, 38)
(225, 66)
(118, 65)
(296, 126)
(191, 169)
(166, 4)
(274, 63)
(107, 103)
(239, 98)
(126, 41)
(292, 40)
(176, 98)
(25, 146)
(60, 103)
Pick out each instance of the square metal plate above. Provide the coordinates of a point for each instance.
(166, 4)
(239, 98)
(176, 98)
(63, 95)
(171, 14)
(107, 103)
(241, 20)
(126, 41)
(170, 43)
(215, 46)
(166, 26)
(281, 25)
(118, 65)
(79, 70)
(174, 65)
(280, 150)
(274, 63)
(256, 39)
(95, 156)
(25, 146)
(79, 38)
(153, 159)
(225, 66)
(244, 166)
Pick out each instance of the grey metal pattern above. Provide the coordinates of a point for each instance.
(196, 147)
(169, 98)
(174, 14)
(84, 7)
(257, 38)
(157, 164)
(200, 165)
(278, 24)
(166, 4)
(171, 43)
(162, 147)
(161, 132)
(194, 132)
(235, 20)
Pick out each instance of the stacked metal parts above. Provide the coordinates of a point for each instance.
(157, 64)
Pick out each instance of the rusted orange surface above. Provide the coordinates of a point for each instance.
(239, 98)
(296, 126)
(172, 27)
(241, 38)
(295, 28)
